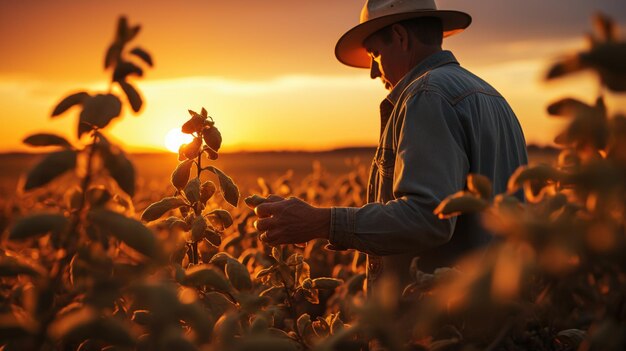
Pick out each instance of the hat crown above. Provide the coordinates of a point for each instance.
(379, 8)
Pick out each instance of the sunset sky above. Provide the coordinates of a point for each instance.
(265, 70)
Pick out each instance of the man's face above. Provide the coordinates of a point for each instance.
(388, 59)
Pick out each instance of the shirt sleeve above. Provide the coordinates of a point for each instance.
(431, 163)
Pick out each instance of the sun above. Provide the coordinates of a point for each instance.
(175, 138)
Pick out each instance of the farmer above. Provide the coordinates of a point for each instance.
(439, 123)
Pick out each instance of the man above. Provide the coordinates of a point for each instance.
(439, 123)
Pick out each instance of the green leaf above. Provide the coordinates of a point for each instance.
(198, 227)
(119, 166)
(143, 54)
(37, 225)
(228, 187)
(238, 275)
(98, 111)
(193, 125)
(132, 94)
(124, 69)
(180, 176)
(131, 232)
(12, 267)
(158, 209)
(192, 190)
(223, 217)
(203, 275)
(213, 138)
(52, 166)
(326, 283)
(206, 191)
(69, 101)
(44, 139)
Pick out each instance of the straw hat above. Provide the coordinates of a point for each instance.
(378, 14)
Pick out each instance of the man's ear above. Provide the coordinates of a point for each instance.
(402, 35)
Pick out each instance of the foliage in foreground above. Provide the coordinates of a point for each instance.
(86, 275)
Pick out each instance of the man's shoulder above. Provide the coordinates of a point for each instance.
(453, 82)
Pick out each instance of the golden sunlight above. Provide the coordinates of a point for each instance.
(175, 138)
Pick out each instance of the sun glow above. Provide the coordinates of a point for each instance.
(175, 138)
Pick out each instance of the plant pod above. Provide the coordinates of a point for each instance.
(326, 283)
(254, 200)
(207, 190)
(223, 217)
(480, 185)
(192, 190)
(158, 209)
(38, 225)
(460, 203)
(212, 137)
(193, 125)
(180, 176)
(238, 275)
(192, 150)
(198, 228)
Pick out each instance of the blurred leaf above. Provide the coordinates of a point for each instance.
(37, 225)
(203, 275)
(69, 101)
(207, 190)
(218, 303)
(204, 113)
(304, 324)
(123, 29)
(86, 324)
(124, 69)
(479, 185)
(212, 137)
(539, 173)
(132, 94)
(120, 168)
(265, 343)
(180, 176)
(131, 232)
(113, 54)
(13, 266)
(326, 283)
(142, 317)
(193, 125)
(158, 209)
(47, 140)
(192, 190)
(459, 203)
(53, 165)
(571, 339)
(143, 54)
(570, 107)
(565, 67)
(238, 275)
(222, 216)
(98, 196)
(98, 111)
(604, 27)
(228, 187)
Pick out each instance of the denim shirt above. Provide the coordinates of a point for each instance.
(438, 124)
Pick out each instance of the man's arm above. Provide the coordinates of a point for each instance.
(431, 163)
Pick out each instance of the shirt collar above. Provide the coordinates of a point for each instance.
(431, 62)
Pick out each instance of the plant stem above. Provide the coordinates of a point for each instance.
(292, 311)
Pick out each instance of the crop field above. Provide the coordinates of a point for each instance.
(103, 250)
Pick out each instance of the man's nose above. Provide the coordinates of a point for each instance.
(374, 70)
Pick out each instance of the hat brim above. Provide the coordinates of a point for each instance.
(350, 51)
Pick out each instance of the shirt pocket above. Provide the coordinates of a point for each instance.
(386, 161)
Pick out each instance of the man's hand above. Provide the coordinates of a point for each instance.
(291, 221)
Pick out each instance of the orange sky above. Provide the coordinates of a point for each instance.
(265, 70)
